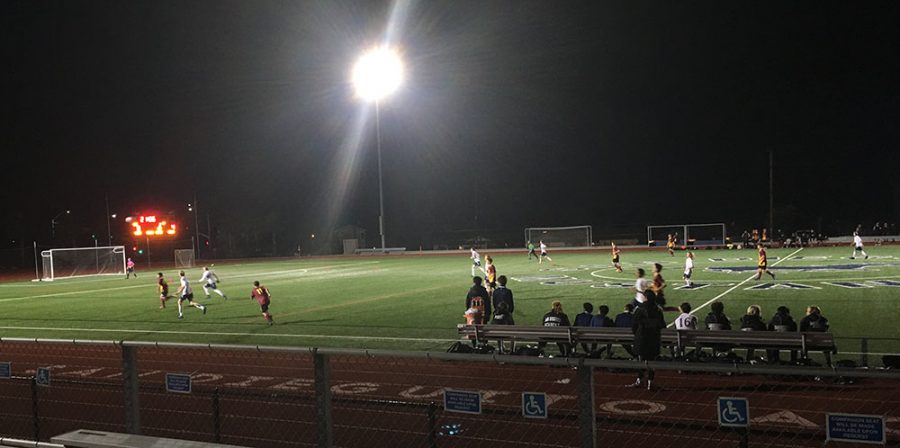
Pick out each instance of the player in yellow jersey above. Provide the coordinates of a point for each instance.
(670, 244)
(615, 257)
(762, 264)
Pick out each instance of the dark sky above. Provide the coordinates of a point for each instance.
(514, 114)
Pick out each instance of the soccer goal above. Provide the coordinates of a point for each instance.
(184, 258)
(687, 234)
(82, 262)
(575, 236)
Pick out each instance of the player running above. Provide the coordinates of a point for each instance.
(615, 257)
(688, 269)
(129, 269)
(163, 288)
(531, 251)
(543, 253)
(670, 244)
(211, 279)
(186, 293)
(858, 246)
(762, 264)
(262, 296)
(476, 261)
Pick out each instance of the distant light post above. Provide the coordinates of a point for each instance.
(54, 222)
(377, 74)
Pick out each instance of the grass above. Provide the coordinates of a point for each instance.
(415, 302)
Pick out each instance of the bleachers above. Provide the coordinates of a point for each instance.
(679, 340)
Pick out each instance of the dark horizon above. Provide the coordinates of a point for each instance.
(514, 114)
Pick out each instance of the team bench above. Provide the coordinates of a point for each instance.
(680, 340)
(101, 439)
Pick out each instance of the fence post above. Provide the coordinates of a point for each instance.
(34, 409)
(132, 390)
(587, 418)
(323, 400)
(864, 352)
(215, 411)
(432, 425)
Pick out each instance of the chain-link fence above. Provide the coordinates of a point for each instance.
(282, 397)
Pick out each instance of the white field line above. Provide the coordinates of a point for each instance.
(120, 288)
(739, 285)
(315, 336)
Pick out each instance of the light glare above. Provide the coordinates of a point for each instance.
(377, 73)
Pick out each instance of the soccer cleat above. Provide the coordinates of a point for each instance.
(867, 257)
(225, 297)
(853, 258)
(207, 297)
(634, 384)
(180, 316)
(203, 309)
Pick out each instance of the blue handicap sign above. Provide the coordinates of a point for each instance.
(855, 428)
(534, 405)
(42, 376)
(734, 412)
(465, 401)
(5, 370)
(178, 383)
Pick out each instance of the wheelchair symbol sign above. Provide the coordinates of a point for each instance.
(534, 405)
(734, 412)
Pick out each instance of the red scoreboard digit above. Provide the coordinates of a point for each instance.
(150, 225)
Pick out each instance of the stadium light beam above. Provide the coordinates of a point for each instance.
(377, 74)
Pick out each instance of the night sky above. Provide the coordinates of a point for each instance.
(513, 114)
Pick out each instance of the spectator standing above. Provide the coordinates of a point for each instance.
(647, 325)
(557, 318)
(503, 295)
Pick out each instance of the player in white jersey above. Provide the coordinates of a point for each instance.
(210, 278)
(476, 261)
(640, 286)
(858, 246)
(543, 253)
(185, 292)
(688, 269)
(686, 320)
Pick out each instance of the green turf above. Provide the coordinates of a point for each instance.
(413, 302)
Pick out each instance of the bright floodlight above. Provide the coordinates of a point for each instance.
(377, 73)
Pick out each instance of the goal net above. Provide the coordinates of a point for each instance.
(687, 234)
(184, 258)
(576, 236)
(82, 262)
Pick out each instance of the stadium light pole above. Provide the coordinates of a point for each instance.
(376, 75)
(54, 222)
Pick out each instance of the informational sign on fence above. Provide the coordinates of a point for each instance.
(42, 376)
(855, 428)
(465, 401)
(5, 370)
(734, 412)
(178, 383)
(534, 405)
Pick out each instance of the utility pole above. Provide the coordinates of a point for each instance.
(771, 196)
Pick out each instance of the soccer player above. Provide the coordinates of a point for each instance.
(262, 296)
(670, 244)
(615, 257)
(211, 279)
(858, 246)
(186, 293)
(163, 288)
(476, 261)
(658, 286)
(129, 269)
(531, 251)
(543, 253)
(762, 264)
(688, 269)
(686, 320)
(490, 275)
(640, 286)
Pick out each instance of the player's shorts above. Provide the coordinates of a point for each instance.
(670, 245)
(858, 248)
(186, 297)
(476, 263)
(164, 293)
(616, 259)
(762, 266)
(211, 285)
(131, 269)
(687, 274)
(264, 308)
(543, 254)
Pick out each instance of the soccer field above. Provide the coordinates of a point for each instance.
(415, 302)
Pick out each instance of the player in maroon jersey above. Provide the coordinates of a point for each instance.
(262, 296)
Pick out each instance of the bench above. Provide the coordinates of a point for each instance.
(84, 438)
(379, 251)
(680, 340)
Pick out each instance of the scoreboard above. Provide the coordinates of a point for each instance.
(152, 225)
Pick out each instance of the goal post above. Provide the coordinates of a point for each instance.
(573, 236)
(184, 258)
(82, 262)
(712, 234)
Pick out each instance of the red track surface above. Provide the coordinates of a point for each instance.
(266, 400)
